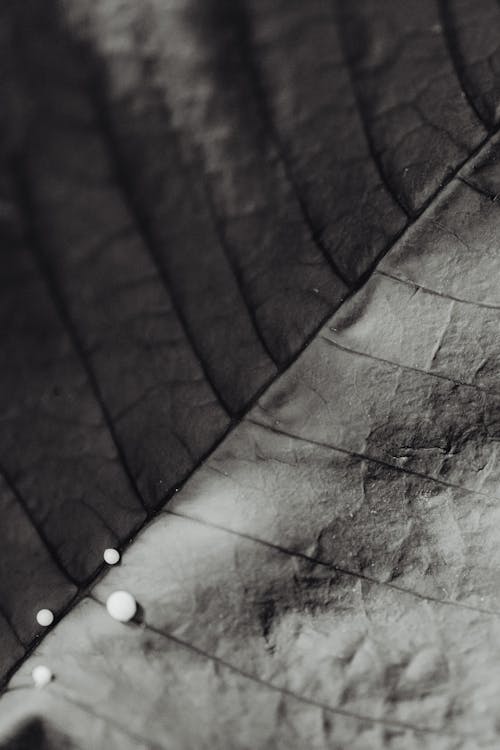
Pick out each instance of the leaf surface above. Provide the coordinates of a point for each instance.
(190, 190)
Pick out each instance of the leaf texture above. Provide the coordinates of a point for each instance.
(189, 190)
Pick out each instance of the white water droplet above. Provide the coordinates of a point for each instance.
(44, 617)
(111, 556)
(121, 606)
(42, 675)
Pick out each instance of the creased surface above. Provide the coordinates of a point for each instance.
(188, 191)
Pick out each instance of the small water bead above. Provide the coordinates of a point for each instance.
(41, 675)
(44, 617)
(121, 606)
(111, 556)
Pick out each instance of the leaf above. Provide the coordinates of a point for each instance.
(189, 192)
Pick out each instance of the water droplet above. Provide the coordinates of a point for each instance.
(41, 675)
(121, 606)
(44, 618)
(111, 556)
